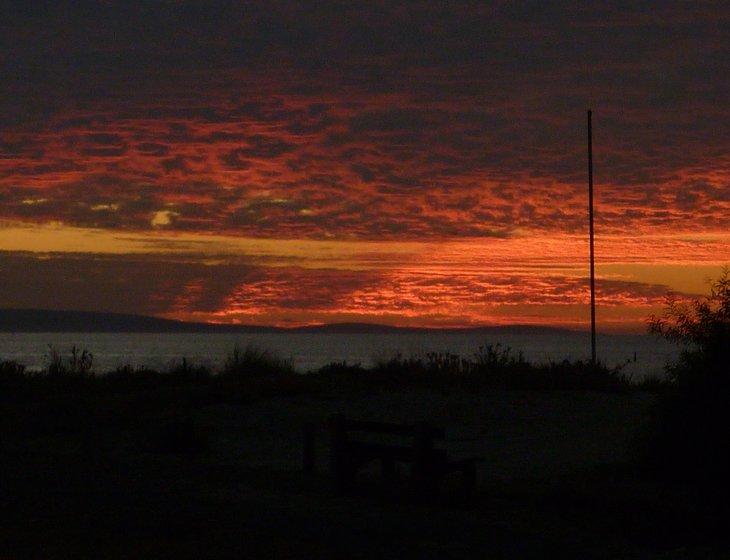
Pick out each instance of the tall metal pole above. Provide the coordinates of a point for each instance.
(590, 220)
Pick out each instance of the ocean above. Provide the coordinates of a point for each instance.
(646, 354)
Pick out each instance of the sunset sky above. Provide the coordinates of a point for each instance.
(409, 163)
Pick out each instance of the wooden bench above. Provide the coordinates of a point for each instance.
(355, 443)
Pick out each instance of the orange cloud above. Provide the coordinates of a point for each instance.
(410, 163)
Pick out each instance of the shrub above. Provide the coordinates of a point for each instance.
(11, 372)
(253, 361)
(689, 440)
(398, 369)
(702, 328)
(499, 366)
(78, 365)
(340, 368)
(128, 375)
(446, 363)
(496, 356)
(187, 371)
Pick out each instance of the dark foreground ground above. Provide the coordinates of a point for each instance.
(158, 474)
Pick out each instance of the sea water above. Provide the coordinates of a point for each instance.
(643, 354)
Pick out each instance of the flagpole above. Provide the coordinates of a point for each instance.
(590, 222)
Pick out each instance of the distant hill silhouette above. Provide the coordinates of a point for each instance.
(43, 320)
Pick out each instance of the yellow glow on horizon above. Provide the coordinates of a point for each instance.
(693, 278)
(535, 278)
(59, 238)
(617, 255)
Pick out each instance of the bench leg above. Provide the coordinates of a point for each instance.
(343, 471)
(309, 455)
(469, 474)
(341, 464)
(426, 482)
(388, 469)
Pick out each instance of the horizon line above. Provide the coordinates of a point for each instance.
(76, 314)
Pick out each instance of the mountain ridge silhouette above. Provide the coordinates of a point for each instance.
(46, 320)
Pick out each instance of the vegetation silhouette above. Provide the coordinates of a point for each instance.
(69, 397)
(133, 444)
(251, 361)
(494, 366)
(78, 364)
(689, 440)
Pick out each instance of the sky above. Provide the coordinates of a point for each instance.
(407, 163)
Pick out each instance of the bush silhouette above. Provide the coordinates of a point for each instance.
(690, 437)
(78, 364)
(702, 327)
(11, 373)
(252, 361)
